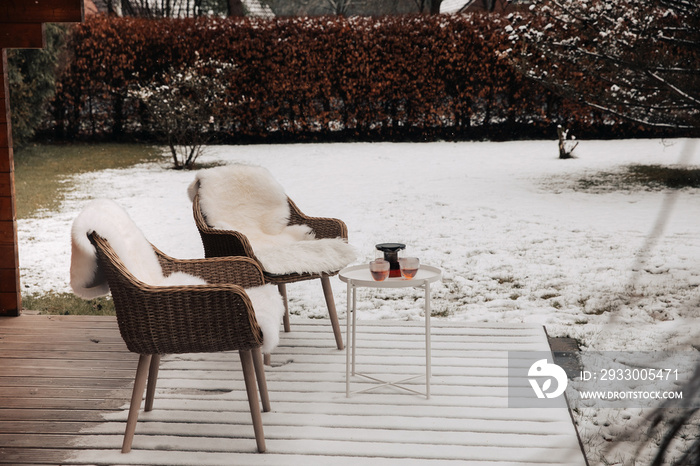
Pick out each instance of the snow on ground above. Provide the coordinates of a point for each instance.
(616, 269)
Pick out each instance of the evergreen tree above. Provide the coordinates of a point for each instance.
(32, 81)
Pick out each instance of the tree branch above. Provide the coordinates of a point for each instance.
(675, 89)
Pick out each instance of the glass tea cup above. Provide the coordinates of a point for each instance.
(409, 267)
(379, 269)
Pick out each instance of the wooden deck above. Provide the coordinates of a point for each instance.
(65, 384)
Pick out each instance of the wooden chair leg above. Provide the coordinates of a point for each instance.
(283, 291)
(136, 397)
(260, 376)
(152, 380)
(251, 389)
(332, 313)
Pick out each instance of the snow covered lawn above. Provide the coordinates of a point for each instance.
(515, 237)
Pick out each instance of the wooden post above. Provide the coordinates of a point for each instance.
(21, 26)
(10, 296)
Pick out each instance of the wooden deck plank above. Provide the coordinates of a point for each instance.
(12, 393)
(64, 396)
(65, 382)
(280, 433)
(147, 457)
(64, 413)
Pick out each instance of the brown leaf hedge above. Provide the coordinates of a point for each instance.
(405, 78)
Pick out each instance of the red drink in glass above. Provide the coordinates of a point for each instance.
(379, 269)
(409, 267)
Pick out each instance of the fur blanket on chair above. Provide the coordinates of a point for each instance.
(249, 200)
(111, 221)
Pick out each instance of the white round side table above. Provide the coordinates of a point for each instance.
(358, 276)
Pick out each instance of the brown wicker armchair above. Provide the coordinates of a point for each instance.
(156, 320)
(221, 243)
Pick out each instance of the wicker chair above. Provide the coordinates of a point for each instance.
(187, 319)
(221, 243)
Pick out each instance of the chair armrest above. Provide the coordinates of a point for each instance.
(186, 319)
(323, 227)
(238, 270)
(220, 243)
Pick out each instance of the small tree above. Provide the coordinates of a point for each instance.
(182, 108)
(171, 8)
(341, 7)
(566, 145)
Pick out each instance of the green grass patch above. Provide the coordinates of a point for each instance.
(43, 177)
(68, 304)
(641, 177)
(43, 173)
(667, 176)
(440, 313)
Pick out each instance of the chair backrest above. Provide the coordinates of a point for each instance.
(219, 243)
(177, 319)
(244, 198)
(113, 223)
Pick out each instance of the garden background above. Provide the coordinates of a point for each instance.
(525, 237)
(331, 78)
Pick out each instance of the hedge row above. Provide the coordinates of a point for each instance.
(328, 78)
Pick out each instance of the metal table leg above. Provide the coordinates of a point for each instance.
(349, 344)
(428, 355)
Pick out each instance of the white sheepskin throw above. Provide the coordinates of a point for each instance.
(269, 310)
(247, 199)
(109, 220)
